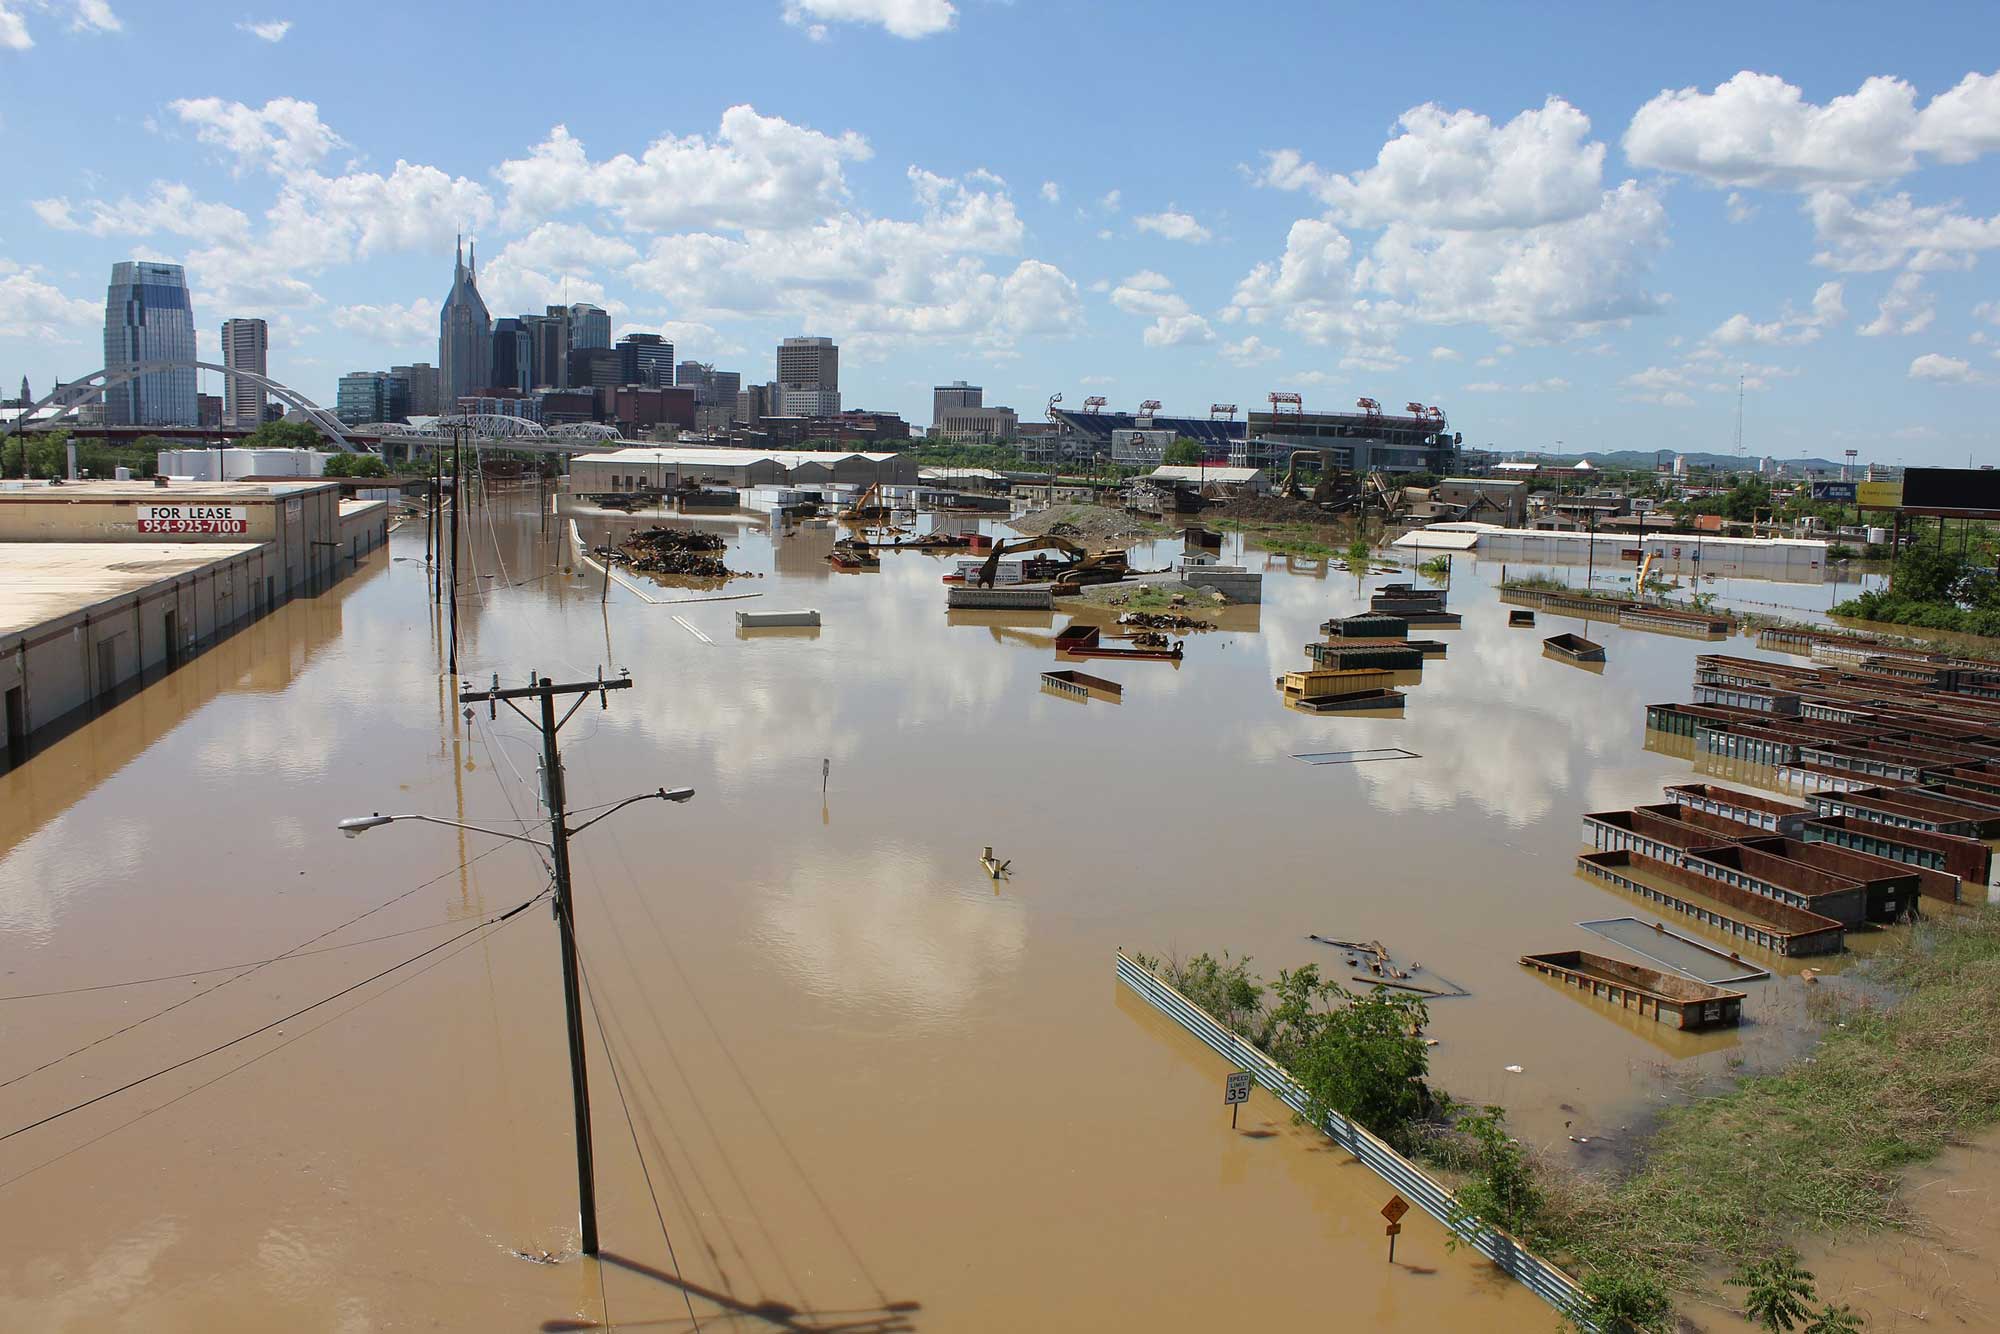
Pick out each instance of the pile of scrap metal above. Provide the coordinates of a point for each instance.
(1337, 491)
(1147, 620)
(670, 551)
(852, 554)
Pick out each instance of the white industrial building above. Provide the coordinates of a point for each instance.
(1786, 559)
(201, 465)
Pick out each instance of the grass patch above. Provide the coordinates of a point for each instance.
(1304, 540)
(1731, 1180)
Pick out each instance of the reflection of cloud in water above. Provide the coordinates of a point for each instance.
(47, 868)
(98, 1293)
(1497, 723)
(893, 933)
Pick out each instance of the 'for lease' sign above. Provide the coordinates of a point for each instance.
(194, 519)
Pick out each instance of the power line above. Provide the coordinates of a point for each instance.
(210, 991)
(223, 968)
(265, 1028)
(618, 1085)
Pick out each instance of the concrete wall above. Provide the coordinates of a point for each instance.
(63, 664)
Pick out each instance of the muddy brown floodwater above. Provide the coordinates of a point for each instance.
(870, 1089)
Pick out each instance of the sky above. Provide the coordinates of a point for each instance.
(1569, 226)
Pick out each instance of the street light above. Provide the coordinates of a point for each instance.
(558, 849)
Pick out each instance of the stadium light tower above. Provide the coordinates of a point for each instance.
(1221, 412)
(1847, 469)
(1280, 398)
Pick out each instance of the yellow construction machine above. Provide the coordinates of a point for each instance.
(1084, 567)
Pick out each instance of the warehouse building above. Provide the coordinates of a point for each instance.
(109, 580)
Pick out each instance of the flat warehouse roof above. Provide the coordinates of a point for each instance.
(146, 492)
(46, 581)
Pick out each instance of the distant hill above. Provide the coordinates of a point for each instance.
(1646, 458)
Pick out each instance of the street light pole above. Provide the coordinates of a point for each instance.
(548, 724)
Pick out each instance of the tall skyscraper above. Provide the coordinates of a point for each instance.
(513, 356)
(422, 379)
(808, 377)
(147, 317)
(646, 358)
(465, 336)
(246, 345)
(589, 326)
(549, 335)
(694, 375)
(957, 394)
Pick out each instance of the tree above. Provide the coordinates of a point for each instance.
(1622, 1299)
(1776, 1292)
(47, 451)
(1183, 452)
(283, 435)
(356, 465)
(1504, 1193)
(1361, 1056)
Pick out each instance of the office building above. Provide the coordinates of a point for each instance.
(148, 317)
(513, 357)
(371, 396)
(246, 346)
(548, 333)
(957, 394)
(422, 382)
(694, 375)
(724, 386)
(594, 368)
(209, 408)
(808, 377)
(753, 401)
(646, 359)
(589, 326)
(973, 423)
(465, 335)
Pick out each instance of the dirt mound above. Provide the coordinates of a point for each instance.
(1271, 509)
(1088, 524)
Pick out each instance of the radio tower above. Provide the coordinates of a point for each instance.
(1739, 422)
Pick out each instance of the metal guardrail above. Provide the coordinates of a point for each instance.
(1531, 1271)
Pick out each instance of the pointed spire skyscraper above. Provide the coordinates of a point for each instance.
(465, 336)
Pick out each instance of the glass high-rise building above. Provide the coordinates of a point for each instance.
(589, 326)
(148, 317)
(646, 358)
(246, 345)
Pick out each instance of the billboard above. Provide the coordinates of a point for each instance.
(197, 519)
(1879, 495)
(1840, 491)
(1952, 489)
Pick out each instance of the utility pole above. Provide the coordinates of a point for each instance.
(457, 503)
(544, 691)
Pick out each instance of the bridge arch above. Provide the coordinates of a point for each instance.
(328, 424)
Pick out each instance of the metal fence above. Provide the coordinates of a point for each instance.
(1537, 1275)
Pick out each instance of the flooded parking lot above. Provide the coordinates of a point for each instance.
(871, 1087)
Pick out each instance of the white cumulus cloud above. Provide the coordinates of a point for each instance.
(758, 171)
(284, 135)
(902, 18)
(1940, 369)
(1172, 224)
(33, 307)
(410, 324)
(267, 30)
(1250, 351)
(1906, 308)
(1052, 192)
(1151, 295)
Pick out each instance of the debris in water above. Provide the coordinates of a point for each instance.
(1514, 1070)
(671, 551)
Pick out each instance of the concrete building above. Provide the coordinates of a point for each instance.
(974, 423)
(465, 335)
(589, 326)
(808, 377)
(148, 317)
(246, 346)
(421, 381)
(946, 398)
(107, 580)
(1486, 499)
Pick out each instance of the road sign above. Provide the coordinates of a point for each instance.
(1394, 1230)
(1235, 1092)
(1395, 1209)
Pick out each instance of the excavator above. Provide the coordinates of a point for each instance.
(1104, 567)
(862, 511)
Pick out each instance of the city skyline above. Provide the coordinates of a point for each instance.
(1556, 247)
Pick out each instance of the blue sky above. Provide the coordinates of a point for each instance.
(1557, 225)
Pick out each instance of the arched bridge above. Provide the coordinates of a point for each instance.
(328, 424)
